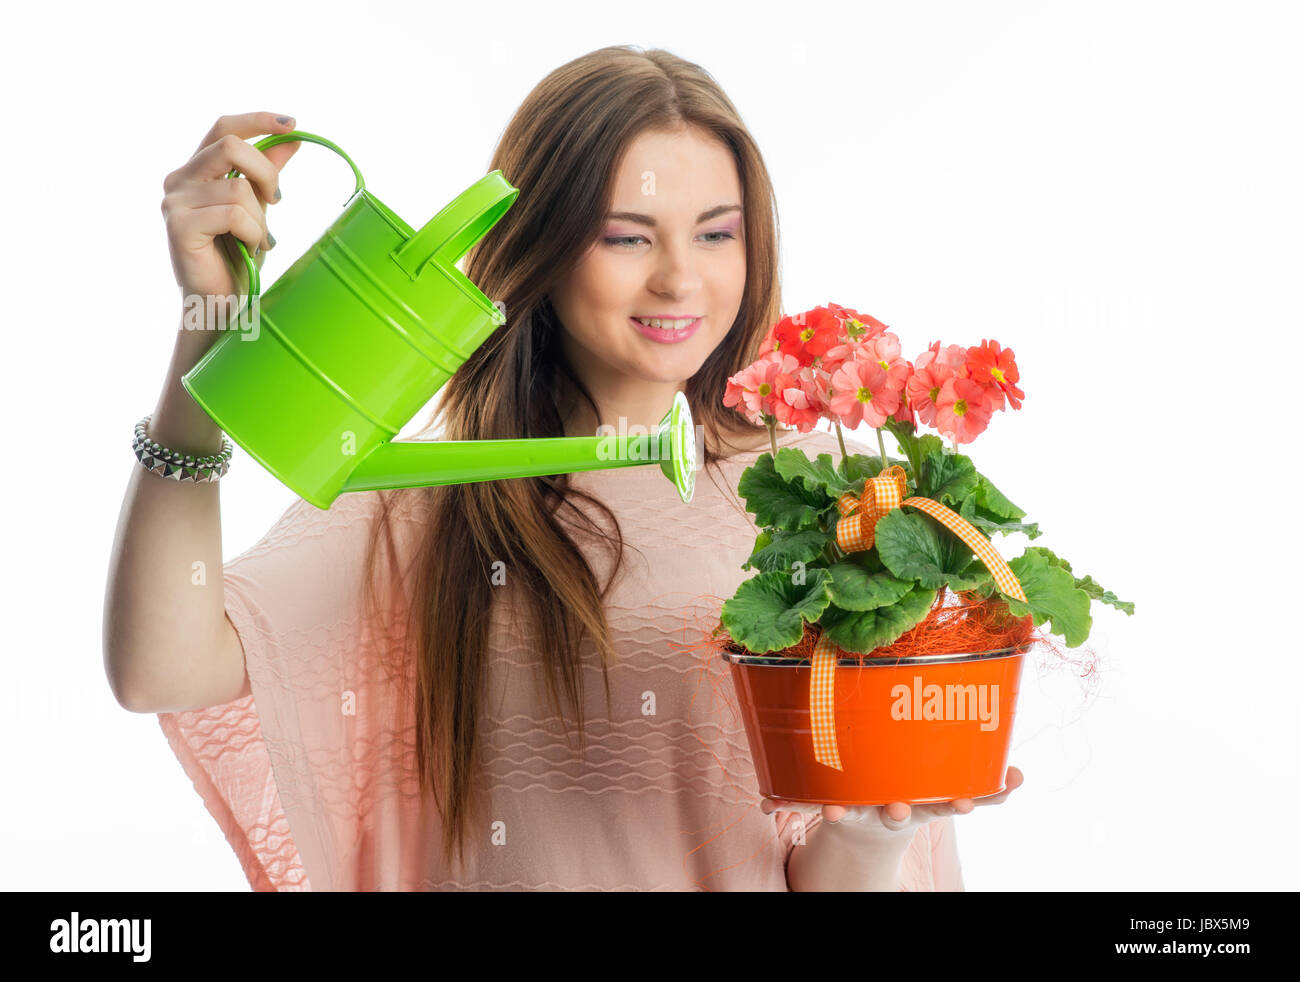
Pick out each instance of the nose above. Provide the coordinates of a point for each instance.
(675, 274)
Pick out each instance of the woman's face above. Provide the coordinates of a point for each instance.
(672, 247)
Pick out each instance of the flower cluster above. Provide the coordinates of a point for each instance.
(835, 363)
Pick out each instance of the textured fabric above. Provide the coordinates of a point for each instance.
(312, 777)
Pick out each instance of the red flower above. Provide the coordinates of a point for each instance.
(995, 369)
(855, 326)
(860, 392)
(934, 366)
(807, 335)
(755, 386)
(904, 413)
(800, 399)
(962, 410)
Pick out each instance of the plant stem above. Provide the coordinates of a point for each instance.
(771, 433)
(839, 435)
(880, 438)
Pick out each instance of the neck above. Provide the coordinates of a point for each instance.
(623, 408)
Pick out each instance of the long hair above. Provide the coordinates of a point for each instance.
(561, 150)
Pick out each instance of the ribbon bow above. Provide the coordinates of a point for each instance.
(856, 532)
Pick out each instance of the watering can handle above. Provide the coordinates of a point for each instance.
(448, 235)
(254, 280)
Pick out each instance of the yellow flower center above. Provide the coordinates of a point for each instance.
(959, 407)
(806, 334)
(997, 374)
(764, 388)
(934, 393)
(864, 394)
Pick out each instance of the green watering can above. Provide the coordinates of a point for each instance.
(360, 333)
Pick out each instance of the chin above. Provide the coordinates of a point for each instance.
(669, 371)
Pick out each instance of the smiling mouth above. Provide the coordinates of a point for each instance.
(667, 323)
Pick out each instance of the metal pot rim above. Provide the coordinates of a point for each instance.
(783, 661)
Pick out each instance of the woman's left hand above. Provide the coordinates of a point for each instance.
(897, 816)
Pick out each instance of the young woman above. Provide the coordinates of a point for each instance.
(378, 696)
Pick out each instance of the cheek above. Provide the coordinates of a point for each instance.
(606, 288)
(730, 273)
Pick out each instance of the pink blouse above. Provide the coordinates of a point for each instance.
(312, 777)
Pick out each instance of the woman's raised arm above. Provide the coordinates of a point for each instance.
(168, 644)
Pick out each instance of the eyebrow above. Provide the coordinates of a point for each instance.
(631, 216)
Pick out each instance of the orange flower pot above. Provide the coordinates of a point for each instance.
(919, 729)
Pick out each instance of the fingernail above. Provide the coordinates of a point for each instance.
(257, 251)
(271, 239)
(284, 120)
(277, 194)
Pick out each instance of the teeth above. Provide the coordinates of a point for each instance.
(667, 325)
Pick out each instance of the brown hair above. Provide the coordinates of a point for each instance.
(561, 150)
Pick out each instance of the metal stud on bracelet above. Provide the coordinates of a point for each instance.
(176, 466)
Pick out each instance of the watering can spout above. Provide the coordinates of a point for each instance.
(408, 464)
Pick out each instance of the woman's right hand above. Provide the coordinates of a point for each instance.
(205, 211)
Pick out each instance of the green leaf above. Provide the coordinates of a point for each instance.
(950, 477)
(820, 475)
(1051, 558)
(1052, 596)
(971, 577)
(776, 502)
(1088, 585)
(979, 577)
(853, 588)
(783, 549)
(864, 631)
(768, 611)
(990, 499)
(928, 444)
(1094, 589)
(858, 468)
(913, 547)
(990, 524)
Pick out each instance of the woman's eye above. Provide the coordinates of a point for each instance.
(630, 240)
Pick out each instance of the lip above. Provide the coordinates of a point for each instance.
(666, 337)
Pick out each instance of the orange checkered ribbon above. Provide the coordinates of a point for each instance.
(856, 532)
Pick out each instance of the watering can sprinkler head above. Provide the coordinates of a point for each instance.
(360, 333)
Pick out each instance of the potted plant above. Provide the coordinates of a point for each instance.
(877, 651)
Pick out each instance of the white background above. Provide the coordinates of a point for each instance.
(1109, 189)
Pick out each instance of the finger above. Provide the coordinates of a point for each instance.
(235, 191)
(216, 219)
(229, 153)
(246, 126)
(929, 813)
(833, 813)
(896, 815)
(1015, 778)
(279, 155)
(770, 805)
